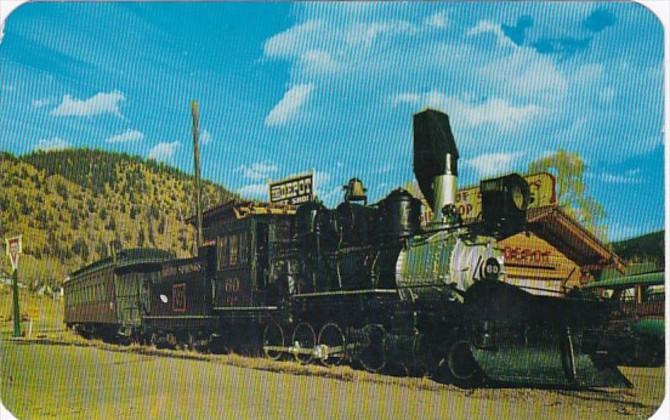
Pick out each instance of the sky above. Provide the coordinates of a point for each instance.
(286, 88)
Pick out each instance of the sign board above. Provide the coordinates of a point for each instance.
(469, 200)
(14, 250)
(292, 191)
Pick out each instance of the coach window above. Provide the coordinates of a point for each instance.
(232, 245)
(222, 248)
(244, 248)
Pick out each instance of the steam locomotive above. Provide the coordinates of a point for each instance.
(366, 284)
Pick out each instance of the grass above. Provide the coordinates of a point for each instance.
(49, 312)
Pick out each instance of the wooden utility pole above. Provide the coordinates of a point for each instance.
(196, 164)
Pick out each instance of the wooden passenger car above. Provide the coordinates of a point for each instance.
(107, 298)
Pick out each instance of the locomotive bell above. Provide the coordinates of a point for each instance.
(505, 202)
(435, 158)
(354, 191)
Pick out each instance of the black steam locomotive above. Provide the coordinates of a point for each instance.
(367, 284)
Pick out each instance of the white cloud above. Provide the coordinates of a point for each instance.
(100, 103)
(205, 137)
(365, 34)
(607, 95)
(488, 27)
(126, 136)
(438, 20)
(254, 191)
(320, 48)
(40, 103)
(289, 105)
(257, 170)
(495, 111)
(493, 163)
(320, 61)
(53, 143)
(523, 73)
(293, 41)
(630, 176)
(163, 151)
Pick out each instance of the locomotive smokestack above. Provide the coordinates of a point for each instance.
(435, 158)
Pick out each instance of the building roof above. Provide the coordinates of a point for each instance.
(622, 282)
(553, 225)
(125, 257)
(235, 209)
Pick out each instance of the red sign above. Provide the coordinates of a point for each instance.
(527, 257)
(14, 250)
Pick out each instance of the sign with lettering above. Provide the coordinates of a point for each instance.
(528, 257)
(188, 268)
(14, 249)
(292, 191)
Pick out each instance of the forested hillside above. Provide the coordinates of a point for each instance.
(75, 206)
(649, 247)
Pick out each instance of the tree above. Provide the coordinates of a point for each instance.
(102, 250)
(79, 247)
(161, 225)
(74, 220)
(568, 169)
(141, 238)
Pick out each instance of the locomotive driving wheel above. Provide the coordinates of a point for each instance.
(462, 366)
(332, 345)
(304, 340)
(273, 340)
(373, 356)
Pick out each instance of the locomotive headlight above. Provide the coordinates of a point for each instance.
(505, 201)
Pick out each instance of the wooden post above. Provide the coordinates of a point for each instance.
(17, 313)
(196, 164)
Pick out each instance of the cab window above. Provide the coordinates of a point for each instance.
(232, 249)
(222, 251)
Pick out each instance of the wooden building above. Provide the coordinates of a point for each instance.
(555, 254)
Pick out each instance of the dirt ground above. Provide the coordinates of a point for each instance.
(64, 381)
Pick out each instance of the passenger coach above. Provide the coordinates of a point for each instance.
(107, 298)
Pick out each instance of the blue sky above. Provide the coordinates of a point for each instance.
(285, 88)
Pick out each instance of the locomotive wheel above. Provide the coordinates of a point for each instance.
(155, 340)
(190, 341)
(333, 341)
(216, 345)
(304, 340)
(461, 364)
(373, 355)
(273, 335)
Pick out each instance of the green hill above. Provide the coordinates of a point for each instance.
(75, 206)
(646, 248)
